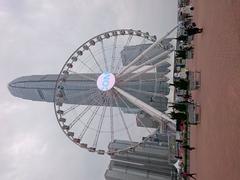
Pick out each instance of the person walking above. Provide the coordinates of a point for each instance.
(180, 107)
(187, 9)
(185, 96)
(192, 31)
(191, 175)
(182, 38)
(189, 24)
(178, 157)
(185, 47)
(181, 53)
(188, 147)
(180, 116)
(181, 84)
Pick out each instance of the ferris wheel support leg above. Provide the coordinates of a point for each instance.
(159, 116)
(142, 72)
(121, 73)
(162, 55)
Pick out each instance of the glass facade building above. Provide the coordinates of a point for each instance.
(151, 160)
(77, 88)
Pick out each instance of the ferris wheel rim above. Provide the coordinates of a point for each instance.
(85, 46)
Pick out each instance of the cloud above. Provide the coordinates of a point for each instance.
(36, 38)
(12, 107)
(27, 144)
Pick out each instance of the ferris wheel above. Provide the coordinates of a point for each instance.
(111, 87)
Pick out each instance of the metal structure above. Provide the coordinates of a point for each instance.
(116, 88)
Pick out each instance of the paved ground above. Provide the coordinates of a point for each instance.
(217, 56)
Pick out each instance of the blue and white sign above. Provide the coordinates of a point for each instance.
(105, 81)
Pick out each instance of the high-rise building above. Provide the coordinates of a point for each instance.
(145, 120)
(121, 170)
(151, 160)
(146, 152)
(78, 86)
(130, 52)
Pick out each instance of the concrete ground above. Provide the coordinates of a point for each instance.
(217, 56)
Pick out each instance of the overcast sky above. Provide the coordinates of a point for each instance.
(37, 36)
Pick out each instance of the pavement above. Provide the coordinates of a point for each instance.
(217, 57)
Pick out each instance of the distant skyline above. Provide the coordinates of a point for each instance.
(37, 37)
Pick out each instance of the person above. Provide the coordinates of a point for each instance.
(180, 116)
(183, 56)
(193, 123)
(181, 84)
(187, 9)
(179, 140)
(185, 174)
(179, 126)
(187, 16)
(188, 147)
(178, 157)
(182, 38)
(194, 30)
(179, 107)
(185, 47)
(188, 24)
(181, 74)
(181, 53)
(185, 96)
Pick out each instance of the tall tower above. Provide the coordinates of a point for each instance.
(78, 86)
(151, 160)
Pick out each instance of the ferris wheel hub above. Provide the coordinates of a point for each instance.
(105, 81)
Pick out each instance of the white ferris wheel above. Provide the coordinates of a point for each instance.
(110, 86)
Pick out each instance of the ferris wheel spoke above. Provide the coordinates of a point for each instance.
(87, 66)
(145, 92)
(156, 79)
(93, 91)
(110, 102)
(143, 41)
(70, 109)
(99, 98)
(141, 55)
(123, 119)
(129, 40)
(159, 57)
(88, 123)
(134, 61)
(156, 84)
(95, 60)
(82, 75)
(113, 53)
(104, 56)
(145, 107)
(117, 67)
(143, 71)
(136, 118)
(144, 79)
(99, 127)
(79, 116)
(87, 100)
(111, 118)
(162, 78)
